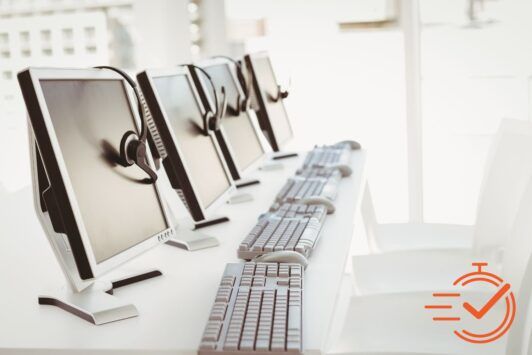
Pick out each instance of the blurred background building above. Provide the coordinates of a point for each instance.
(421, 84)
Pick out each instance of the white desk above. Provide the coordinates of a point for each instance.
(173, 308)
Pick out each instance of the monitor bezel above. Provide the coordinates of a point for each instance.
(263, 114)
(249, 115)
(97, 269)
(174, 150)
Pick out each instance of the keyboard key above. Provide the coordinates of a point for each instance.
(228, 281)
(283, 282)
(207, 345)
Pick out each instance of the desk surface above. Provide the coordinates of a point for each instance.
(173, 308)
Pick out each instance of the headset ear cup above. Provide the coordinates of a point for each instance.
(238, 105)
(211, 122)
(244, 104)
(215, 123)
(125, 142)
(137, 148)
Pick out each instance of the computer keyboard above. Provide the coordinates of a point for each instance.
(325, 156)
(296, 210)
(328, 173)
(299, 187)
(292, 227)
(258, 308)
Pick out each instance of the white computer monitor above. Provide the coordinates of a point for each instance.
(96, 212)
(271, 111)
(240, 130)
(195, 164)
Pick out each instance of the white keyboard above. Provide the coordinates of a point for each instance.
(299, 187)
(258, 309)
(292, 227)
(326, 156)
(324, 173)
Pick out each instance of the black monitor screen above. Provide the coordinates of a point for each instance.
(204, 165)
(276, 110)
(239, 130)
(118, 210)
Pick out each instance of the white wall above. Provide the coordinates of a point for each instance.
(161, 33)
(60, 40)
(344, 85)
(472, 78)
(353, 84)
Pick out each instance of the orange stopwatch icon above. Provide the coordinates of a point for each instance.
(502, 295)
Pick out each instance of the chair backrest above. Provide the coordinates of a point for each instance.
(370, 219)
(517, 270)
(518, 342)
(508, 170)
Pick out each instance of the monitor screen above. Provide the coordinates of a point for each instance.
(198, 152)
(239, 130)
(118, 210)
(276, 110)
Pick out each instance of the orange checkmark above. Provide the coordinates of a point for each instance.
(479, 314)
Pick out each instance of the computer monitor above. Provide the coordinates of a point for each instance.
(195, 164)
(239, 136)
(271, 112)
(97, 213)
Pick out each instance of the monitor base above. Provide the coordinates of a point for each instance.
(246, 182)
(240, 198)
(96, 303)
(192, 240)
(281, 155)
(271, 165)
(210, 222)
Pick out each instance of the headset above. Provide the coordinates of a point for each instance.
(242, 104)
(281, 94)
(212, 119)
(133, 146)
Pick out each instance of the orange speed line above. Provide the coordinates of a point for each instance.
(446, 294)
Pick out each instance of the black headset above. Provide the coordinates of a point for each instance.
(133, 146)
(212, 119)
(242, 103)
(281, 94)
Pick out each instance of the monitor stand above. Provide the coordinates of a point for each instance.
(96, 303)
(271, 165)
(210, 222)
(283, 155)
(240, 183)
(186, 237)
(91, 300)
(240, 198)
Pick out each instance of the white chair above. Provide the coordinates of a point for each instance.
(399, 324)
(426, 256)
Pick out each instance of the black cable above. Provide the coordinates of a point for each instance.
(138, 95)
(213, 87)
(133, 150)
(240, 74)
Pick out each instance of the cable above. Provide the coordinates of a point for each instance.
(211, 82)
(239, 73)
(246, 85)
(138, 95)
(133, 146)
(211, 120)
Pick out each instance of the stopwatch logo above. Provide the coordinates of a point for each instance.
(500, 296)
